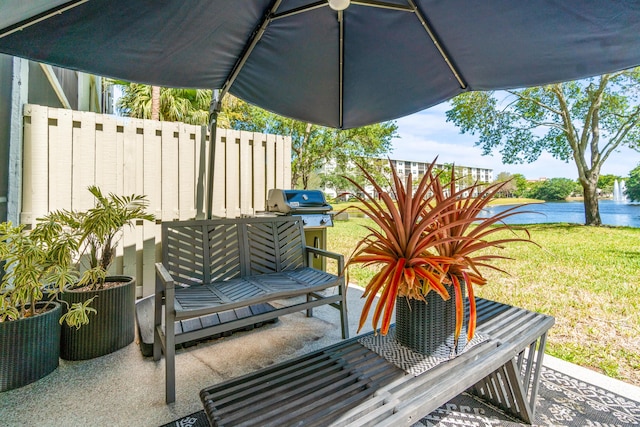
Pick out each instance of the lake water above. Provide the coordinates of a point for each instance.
(611, 213)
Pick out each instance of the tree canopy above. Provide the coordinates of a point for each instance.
(584, 121)
(176, 105)
(312, 145)
(633, 184)
(509, 189)
(552, 189)
(606, 182)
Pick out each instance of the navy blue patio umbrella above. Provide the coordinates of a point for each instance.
(339, 63)
(368, 62)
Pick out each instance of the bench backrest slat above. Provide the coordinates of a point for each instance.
(202, 251)
(223, 256)
(182, 253)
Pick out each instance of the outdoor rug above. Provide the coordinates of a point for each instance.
(562, 401)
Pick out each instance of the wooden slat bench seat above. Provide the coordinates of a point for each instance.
(367, 390)
(212, 269)
(145, 319)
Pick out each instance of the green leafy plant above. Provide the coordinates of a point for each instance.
(426, 239)
(78, 314)
(38, 266)
(98, 231)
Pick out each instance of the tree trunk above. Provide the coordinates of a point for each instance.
(299, 168)
(591, 208)
(155, 102)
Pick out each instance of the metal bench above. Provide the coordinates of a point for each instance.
(349, 385)
(213, 268)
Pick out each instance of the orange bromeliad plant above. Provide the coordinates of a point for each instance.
(427, 238)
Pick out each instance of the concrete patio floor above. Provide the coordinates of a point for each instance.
(126, 389)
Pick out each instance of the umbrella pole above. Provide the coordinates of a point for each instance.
(214, 110)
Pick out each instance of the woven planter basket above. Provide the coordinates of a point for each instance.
(429, 328)
(110, 329)
(29, 348)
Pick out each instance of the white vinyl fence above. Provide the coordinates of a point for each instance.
(65, 151)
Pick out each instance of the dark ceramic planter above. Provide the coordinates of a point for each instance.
(29, 348)
(110, 329)
(429, 328)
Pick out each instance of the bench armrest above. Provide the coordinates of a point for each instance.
(327, 254)
(163, 277)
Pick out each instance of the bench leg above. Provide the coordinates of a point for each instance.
(514, 387)
(309, 310)
(157, 325)
(170, 370)
(344, 320)
(535, 382)
(170, 346)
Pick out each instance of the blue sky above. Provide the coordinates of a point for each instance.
(427, 134)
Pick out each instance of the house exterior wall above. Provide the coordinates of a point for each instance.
(40, 90)
(36, 84)
(6, 67)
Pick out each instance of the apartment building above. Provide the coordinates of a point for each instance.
(468, 174)
(417, 170)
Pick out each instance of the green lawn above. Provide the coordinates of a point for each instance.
(588, 278)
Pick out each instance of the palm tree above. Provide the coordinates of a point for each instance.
(155, 102)
(178, 105)
(183, 105)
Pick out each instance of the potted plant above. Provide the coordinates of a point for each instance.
(430, 243)
(38, 265)
(98, 231)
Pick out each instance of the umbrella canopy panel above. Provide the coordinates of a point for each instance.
(374, 61)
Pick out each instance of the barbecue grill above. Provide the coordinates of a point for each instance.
(309, 204)
(316, 215)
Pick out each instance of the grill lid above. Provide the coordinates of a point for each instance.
(291, 201)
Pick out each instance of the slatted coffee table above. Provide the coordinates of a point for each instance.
(348, 384)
